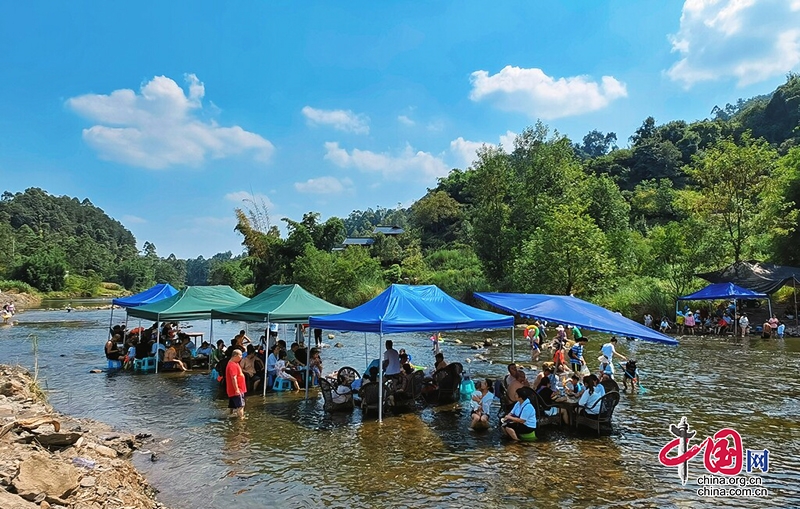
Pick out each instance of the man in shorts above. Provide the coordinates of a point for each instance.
(235, 384)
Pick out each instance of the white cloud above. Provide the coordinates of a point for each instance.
(536, 94)
(408, 164)
(161, 127)
(464, 150)
(325, 185)
(405, 120)
(131, 219)
(247, 197)
(341, 120)
(748, 40)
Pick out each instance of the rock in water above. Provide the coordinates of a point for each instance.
(40, 474)
(338, 345)
(331, 336)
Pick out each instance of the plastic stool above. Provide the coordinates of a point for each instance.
(146, 364)
(467, 388)
(282, 384)
(529, 437)
(112, 364)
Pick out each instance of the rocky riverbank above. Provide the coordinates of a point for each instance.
(21, 300)
(51, 460)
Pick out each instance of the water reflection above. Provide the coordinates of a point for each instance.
(287, 452)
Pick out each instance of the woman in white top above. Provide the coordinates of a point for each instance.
(589, 402)
(280, 370)
(522, 418)
(482, 405)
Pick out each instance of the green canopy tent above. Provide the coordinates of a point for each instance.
(191, 303)
(279, 304)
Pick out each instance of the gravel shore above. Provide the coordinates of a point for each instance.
(51, 460)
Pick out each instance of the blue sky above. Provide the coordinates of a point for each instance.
(168, 114)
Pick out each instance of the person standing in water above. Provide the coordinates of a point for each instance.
(235, 384)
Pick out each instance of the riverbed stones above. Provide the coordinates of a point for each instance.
(11, 501)
(41, 474)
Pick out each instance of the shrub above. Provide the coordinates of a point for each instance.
(14, 286)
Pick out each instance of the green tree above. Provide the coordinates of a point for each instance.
(786, 205)
(437, 216)
(264, 250)
(734, 180)
(567, 254)
(135, 274)
(232, 273)
(44, 270)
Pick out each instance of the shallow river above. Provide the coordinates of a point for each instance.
(288, 453)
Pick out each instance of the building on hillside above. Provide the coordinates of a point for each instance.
(368, 241)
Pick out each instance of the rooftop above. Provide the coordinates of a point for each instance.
(358, 241)
(388, 230)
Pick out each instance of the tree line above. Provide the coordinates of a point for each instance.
(625, 226)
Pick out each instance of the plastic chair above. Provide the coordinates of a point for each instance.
(146, 364)
(112, 364)
(528, 437)
(282, 384)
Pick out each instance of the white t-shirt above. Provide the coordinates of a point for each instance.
(393, 368)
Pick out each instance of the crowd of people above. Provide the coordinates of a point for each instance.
(723, 320)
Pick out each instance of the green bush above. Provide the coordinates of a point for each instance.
(14, 286)
(635, 297)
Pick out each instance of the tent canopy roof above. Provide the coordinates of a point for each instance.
(757, 276)
(279, 303)
(191, 303)
(572, 311)
(158, 292)
(408, 308)
(723, 291)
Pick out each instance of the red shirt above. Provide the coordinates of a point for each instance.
(234, 370)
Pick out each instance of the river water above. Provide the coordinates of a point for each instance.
(288, 453)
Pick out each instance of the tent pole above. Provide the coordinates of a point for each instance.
(309, 376)
(735, 313)
(380, 378)
(266, 357)
(769, 305)
(794, 283)
(158, 338)
(111, 321)
(366, 354)
(512, 344)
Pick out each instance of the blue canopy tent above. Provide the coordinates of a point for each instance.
(407, 308)
(571, 310)
(726, 291)
(156, 293)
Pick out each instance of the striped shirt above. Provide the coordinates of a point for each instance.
(577, 353)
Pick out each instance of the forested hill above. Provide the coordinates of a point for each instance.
(36, 226)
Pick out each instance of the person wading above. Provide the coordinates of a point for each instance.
(235, 384)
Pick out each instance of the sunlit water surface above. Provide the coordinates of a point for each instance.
(289, 453)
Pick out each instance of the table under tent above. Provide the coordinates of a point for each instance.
(726, 291)
(191, 303)
(569, 310)
(284, 304)
(408, 308)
